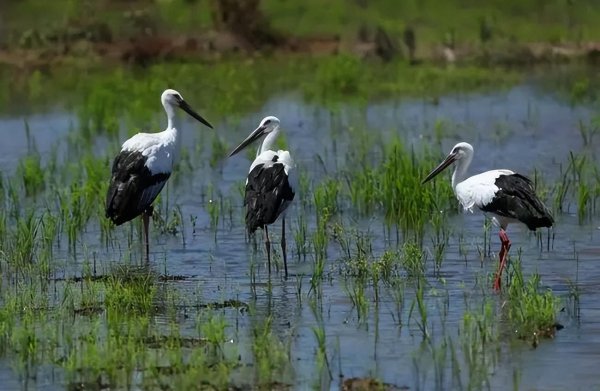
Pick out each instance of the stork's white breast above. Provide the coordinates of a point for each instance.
(479, 190)
(159, 151)
(266, 158)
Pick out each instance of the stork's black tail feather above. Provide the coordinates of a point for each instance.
(543, 220)
(516, 199)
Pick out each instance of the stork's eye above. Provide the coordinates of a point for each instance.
(267, 122)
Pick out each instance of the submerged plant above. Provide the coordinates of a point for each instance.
(439, 238)
(421, 308)
(479, 343)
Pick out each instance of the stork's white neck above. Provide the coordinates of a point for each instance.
(172, 132)
(171, 119)
(460, 170)
(268, 142)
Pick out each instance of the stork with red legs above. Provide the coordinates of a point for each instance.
(505, 195)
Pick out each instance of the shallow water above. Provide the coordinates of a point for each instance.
(521, 129)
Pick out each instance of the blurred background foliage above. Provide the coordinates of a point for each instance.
(413, 28)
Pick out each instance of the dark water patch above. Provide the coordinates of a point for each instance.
(226, 304)
(98, 385)
(369, 384)
(126, 274)
(167, 277)
(157, 342)
(89, 310)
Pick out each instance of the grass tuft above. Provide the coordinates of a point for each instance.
(531, 310)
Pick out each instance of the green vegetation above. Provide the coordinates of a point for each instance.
(456, 22)
(531, 310)
(507, 20)
(226, 89)
(480, 344)
(394, 184)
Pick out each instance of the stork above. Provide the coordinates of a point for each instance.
(145, 163)
(507, 196)
(269, 187)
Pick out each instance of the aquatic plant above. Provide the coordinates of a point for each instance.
(214, 209)
(439, 238)
(578, 183)
(394, 184)
(531, 310)
(270, 354)
(479, 343)
(30, 169)
(326, 199)
(421, 308)
(20, 252)
(300, 234)
(412, 259)
(130, 290)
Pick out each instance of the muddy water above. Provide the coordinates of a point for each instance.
(520, 128)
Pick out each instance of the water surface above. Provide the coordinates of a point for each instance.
(522, 128)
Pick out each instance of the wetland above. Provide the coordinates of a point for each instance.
(388, 280)
(390, 283)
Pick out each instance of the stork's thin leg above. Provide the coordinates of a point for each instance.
(268, 246)
(283, 246)
(503, 257)
(497, 280)
(146, 221)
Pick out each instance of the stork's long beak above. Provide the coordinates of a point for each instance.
(188, 109)
(255, 135)
(447, 161)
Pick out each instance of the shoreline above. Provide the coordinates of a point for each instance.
(214, 46)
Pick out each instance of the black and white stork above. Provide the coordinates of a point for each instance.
(270, 184)
(505, 195)
(144, 165)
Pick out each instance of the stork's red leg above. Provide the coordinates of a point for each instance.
(502, 258)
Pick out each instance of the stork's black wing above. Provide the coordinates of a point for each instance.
(268, 192)
(132, 188)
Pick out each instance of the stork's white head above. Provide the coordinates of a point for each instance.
(462, 152)
(267, 126)
(171, 98)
